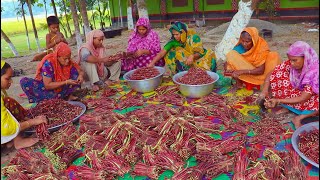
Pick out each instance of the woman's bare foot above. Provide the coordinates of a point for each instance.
(7, 155)
(282, 111)
(297, 122)
(237, 86)
(20, 142)
(72, 98)
(9, 144)
(95, 88)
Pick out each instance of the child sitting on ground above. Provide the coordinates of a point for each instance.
(53, 38)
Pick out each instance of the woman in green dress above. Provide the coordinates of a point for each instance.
(185, 50)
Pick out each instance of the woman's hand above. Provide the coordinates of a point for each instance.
(189, 61)
(261, 97)
(80, 79)
(38, 120)
(140, 52)
(71, 82)
(151, 64)
(236, 74)
(271, 103)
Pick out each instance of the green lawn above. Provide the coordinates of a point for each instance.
(20, 42)
(16, 32)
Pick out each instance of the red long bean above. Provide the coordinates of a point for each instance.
(195, 76)
(144, 73)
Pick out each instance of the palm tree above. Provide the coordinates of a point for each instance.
(239, 21)
(45, 7)
(83, 11)
(129, 15)
(33, 25)
(20, 12)
(12, 47)
(142, 9)
(76, 22)
(54, 8)
(25, 24)
(66, 16)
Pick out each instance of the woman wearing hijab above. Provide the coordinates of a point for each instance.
(294, 84)
(99, 68)
(12, 112)
(143, 46)
(184, 50)
(251, 59)
(57, 76)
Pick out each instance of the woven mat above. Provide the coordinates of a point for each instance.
(222, 87)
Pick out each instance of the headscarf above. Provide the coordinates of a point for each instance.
(3, 90)
(2, 63)
(96, 52)
(149, 41)
(257, 55)
(61, 73)
(309, 74)
(183, 29)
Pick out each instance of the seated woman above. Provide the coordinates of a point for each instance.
(294, 84)
(57, 76)
(12, 112)
(251, 59)
(185, 50)
(143, 46)
(99, 68)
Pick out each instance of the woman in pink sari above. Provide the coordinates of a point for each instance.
(143, 46)
(294, 84)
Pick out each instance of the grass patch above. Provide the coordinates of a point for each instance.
(17, 27)
(20, 42)
(15, 30)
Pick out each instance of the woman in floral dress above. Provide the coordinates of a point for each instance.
(185, 49)
(294, 84)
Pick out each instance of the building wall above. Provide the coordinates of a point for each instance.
(299, 3)
(222, 10)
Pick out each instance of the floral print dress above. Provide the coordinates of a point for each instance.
(178, 53)
(36, 91)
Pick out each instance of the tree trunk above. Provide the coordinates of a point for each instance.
(25, 26)
(100, 13)
(76, 22)
(94, 20)
(45, 7)
(6, 38)
(142, 9)
(33, 25)
(65, 15)
(129, 15)
(84, 14)
(239, 21)
(120, 13)
(54, 8)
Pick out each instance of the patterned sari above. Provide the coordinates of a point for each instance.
(50, 67)
(288, 82)
(178, 52)
(136, 42)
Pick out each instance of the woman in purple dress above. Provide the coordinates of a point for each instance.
(143, 46)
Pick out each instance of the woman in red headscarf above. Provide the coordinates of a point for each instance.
(57, 76)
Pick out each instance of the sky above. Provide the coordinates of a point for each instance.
(8, 0)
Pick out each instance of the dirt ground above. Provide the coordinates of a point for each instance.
(283, 36)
